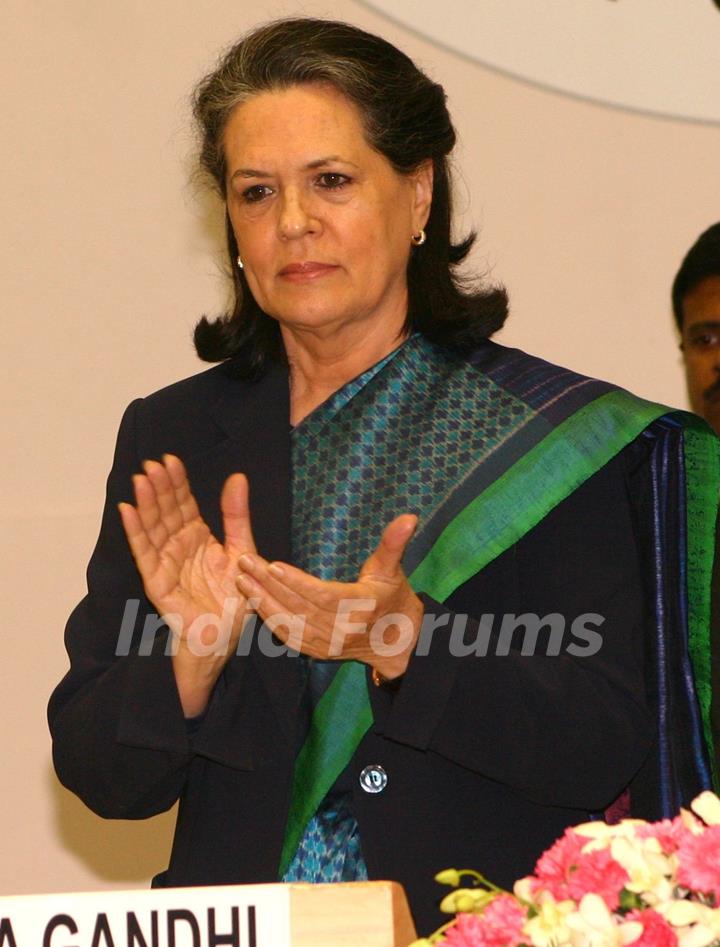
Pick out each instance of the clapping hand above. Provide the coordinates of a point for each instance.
(375, 620)
(188, 575)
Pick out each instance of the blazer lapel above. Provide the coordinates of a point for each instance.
(255, 417)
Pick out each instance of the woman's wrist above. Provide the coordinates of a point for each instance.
(195, 678)
(390, 667)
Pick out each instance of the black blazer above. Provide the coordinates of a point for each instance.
(488, 758)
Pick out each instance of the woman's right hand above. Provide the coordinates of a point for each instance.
(188, 575)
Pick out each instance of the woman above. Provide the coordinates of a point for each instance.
(387, 489)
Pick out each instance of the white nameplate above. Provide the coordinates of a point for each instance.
(228, 916)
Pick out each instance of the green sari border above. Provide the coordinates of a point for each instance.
(519, 499)
(345, 699)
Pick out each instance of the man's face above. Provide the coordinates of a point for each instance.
(701, 349)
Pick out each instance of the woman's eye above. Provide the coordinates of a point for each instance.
(332, 181)
(257, 192)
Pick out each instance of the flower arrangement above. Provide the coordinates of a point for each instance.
(645, 884)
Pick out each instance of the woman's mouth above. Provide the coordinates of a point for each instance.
(303, 272)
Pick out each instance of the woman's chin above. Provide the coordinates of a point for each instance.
(321, 320)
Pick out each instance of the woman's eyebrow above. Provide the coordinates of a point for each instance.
(249, 173)
(329, 159)
(310, 166)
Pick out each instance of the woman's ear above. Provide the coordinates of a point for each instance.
(423, 184)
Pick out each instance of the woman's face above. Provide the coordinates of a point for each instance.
(322, 221)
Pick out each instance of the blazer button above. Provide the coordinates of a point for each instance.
(373, 778)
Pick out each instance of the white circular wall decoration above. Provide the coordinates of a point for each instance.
(660, 56)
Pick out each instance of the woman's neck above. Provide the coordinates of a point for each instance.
(321, 365)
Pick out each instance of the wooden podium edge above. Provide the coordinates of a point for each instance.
(353, 914)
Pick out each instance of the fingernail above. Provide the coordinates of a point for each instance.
(276, 570)
(245, 583)
(246, 561)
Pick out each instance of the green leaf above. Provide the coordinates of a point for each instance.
(629, 900)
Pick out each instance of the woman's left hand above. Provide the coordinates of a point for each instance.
(375, 620)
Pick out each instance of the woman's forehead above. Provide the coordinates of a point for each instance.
(305, 123)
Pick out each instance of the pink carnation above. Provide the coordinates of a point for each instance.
(656, 930)
(670, 833)
(699, 862)
(499, 925)
(555, 864)
(566, 872)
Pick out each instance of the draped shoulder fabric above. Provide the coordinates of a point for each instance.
(482, 449)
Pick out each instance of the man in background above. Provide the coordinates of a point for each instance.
(696, 304)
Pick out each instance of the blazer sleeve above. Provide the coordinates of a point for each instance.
(569, 728)
(120, 740)
(119, 736)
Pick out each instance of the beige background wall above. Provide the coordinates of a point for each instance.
(109, 255)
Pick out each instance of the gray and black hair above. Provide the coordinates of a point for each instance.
(405, 118)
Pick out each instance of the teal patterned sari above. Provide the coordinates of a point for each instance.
(329, 849)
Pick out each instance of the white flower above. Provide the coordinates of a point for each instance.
(648, 868)
(662, 892)
(691, 822)
(681, 913)
(601, 835)
(592, 925)
(522, 890)
(711, 919)
(548, 927)
(696, 936)
(707, 806)
(696, 925)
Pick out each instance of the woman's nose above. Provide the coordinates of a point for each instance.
(296, 216)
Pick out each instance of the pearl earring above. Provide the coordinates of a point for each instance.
(239, 262)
